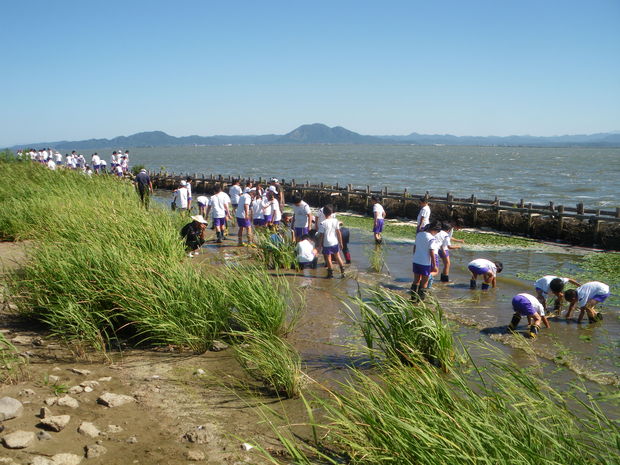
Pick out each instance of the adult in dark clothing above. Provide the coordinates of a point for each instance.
(345, 243)
(143, 184)
(194, 234)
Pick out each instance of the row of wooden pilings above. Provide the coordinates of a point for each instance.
(574, 225)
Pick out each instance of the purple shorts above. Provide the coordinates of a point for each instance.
(379, 227)
(276, 222)
(444, 253)
(243, 222)
(258, 221)
(477, 270)
(522, 306)
(219, 221)
(331, 250)
(267, 219)
(424, 270)
(300, 232)
(600, 297)
(200, 204)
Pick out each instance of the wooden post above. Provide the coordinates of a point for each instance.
(580, 208)
(560, 221)
(385, 191)
(348, 196)
(449, 199)
(367, 196)
(521, 204)
(475, 212)
(529, 218)
(498, 212)
(617, 212)
(551, 207)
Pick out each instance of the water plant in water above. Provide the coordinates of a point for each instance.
(402, 331)
(271, 360)
(275, 250)
(376, 258)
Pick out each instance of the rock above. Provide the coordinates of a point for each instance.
(75, 389)
(44, 436)
(7, 461)
(201, 435)
(79, 371)
(195, 455)
(27, 392)
(1, 427)
(105, 379)
(18, 439)
(113, 429)
(40, 460)
(44, 412)
(24, 340)
(90, 384)
(132, 440)
(50, 401)
(88, 389)
(94, 450)
(247, 447)
(55, 423)
(88, 429)
(53, 379)
(10, 408)
(114, 400)
(218, 346)
(66, 459)
(199, 372)
(67, 401)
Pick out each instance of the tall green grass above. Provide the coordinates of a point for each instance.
(399, 330)
(11, 364)
(278, 255)
(417, 416)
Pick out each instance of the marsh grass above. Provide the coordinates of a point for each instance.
(11, 364)
(416, 415)
(376, 258)
(401, 331)
(279, 254)
(271, 360)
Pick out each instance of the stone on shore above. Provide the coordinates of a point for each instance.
(67, 401)
(18, 439)
(94, 450)
(88, 429)
(114, 400)
(10, 408)
(55, 423)
(66, 459)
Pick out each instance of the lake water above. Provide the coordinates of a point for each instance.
(565, 176)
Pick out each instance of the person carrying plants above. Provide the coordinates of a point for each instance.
(587, 296)
(529, 306)
(485, 268)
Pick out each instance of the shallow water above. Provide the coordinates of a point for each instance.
(590, 350)
(539, 175)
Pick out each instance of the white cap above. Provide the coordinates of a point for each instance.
(199, 218)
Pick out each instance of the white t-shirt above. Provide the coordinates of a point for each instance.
(268, 204)
(305, 251)
(58, 157)
(443, 240)
(257, 209)
(95, 159)
(179, 197)
(218, 204)
(234, 192)
(590, 290)
(202, 199)
(423, 216)
(543, 283)
(189, 190)
(536, 305)
(273, 189)
(277, 214)
(51, 165)
(103, 163)
(320, 216)
(301, 212)
(424, 242)
(329, 227)
(244, 200)
(378, 211)
(484, 263)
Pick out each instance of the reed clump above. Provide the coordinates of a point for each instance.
(401, 331)
(11, 364)
(275, 249)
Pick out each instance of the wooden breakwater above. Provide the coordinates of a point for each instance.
(574, 225)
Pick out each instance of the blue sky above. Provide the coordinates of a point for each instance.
(81, 69)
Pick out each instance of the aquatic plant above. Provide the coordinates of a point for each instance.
(261, 302)
(402, 331)
(11, 364)
(271, 360)
(277, 252)
(418, 416)
(376, 258)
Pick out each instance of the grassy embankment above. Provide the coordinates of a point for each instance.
(102, 268)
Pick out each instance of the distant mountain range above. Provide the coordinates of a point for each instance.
(322, 134)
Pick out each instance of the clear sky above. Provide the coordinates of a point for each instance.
(83, 69)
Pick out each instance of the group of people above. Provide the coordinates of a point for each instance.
(53, 159)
